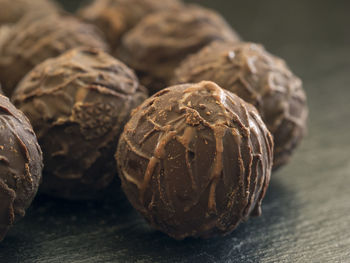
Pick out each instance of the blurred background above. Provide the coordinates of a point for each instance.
(278, 22)
(305, 33)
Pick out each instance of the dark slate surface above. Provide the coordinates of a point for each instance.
(306, 214)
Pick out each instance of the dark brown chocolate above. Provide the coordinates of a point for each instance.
(260, 78)
(115, 17)
(11, 11)
(30, 42)
(195, 160)
(20, 165)
(157, 45)
(78, 104)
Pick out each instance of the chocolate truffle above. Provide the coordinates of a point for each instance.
(259, 78)
(195, 160)
(115, 17)
(12, 11)
(20, 165)
(157, 45)
(78, 104)
(30, 42)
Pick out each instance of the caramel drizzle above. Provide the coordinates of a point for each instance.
(186, 139)
(219, 132)
(158, 154)
(217, 169)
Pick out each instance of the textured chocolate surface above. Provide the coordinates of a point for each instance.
(115, 17)
(195, 160)
(78, 104)
(156, 46)
(260, 78)
(4, 31)
(20, 165)
(30, 42)
(12, 11)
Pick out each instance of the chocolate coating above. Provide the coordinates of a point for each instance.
(20, 165)
(4, 31)
(195, 160)
(30, 42)
(115, 17)
(157, 45)
(259, 78)
(12, 11)
(78, 104)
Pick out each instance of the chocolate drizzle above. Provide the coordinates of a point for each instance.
(195, 160)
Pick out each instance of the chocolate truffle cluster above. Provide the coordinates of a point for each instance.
(195, 160)
(20, 165)
(187, 157)
(259, 78)
(78, 104)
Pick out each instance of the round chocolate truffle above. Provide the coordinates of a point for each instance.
(115, 17)
(157, 45)
(20, 165)
(195, 160)
(259, 78)
(12, 11)
(30, 42)
(78, 104)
